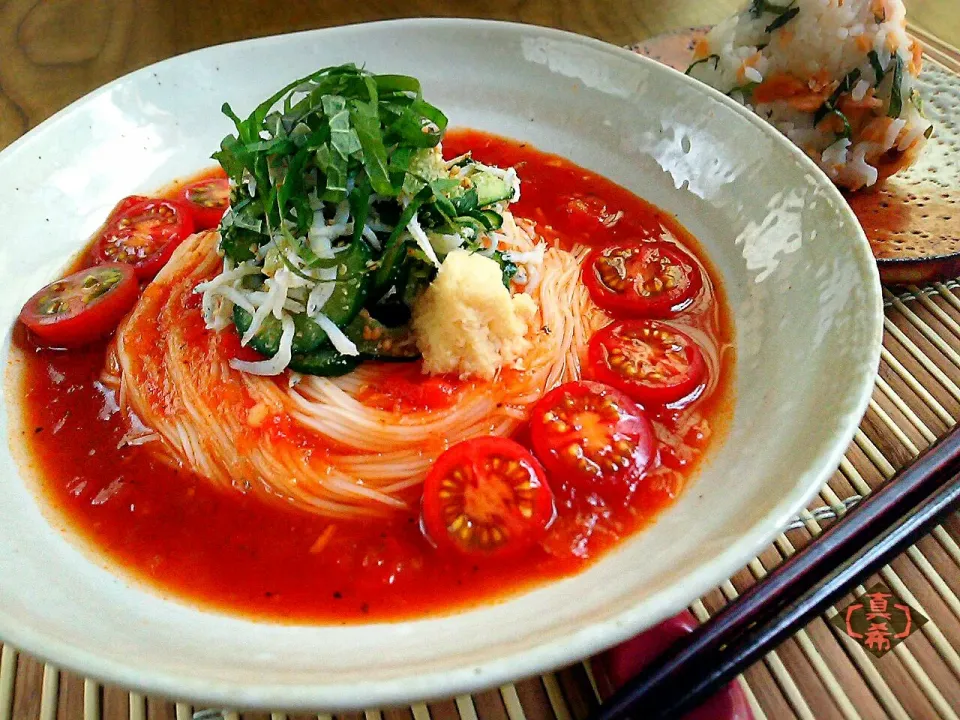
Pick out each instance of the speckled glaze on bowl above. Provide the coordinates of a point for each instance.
(801, 282)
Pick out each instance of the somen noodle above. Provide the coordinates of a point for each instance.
(314, 441)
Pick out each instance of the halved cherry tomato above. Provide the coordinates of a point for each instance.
(622, 662)
(486, 496)
(651, 361)
(649, 279)
(208, 199)
(145, 235)
(121, 207)
(82, 307)
(592, 437)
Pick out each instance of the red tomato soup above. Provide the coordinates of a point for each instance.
(236, 553)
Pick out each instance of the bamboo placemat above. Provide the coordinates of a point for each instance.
(820, 673)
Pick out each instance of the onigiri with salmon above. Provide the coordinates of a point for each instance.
(837, 77)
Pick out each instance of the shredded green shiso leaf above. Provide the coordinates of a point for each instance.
(760, 7)
(341, 203)
(708, 58)
(896, 89)
(782, 19)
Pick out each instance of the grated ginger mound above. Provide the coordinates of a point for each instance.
(467, 322)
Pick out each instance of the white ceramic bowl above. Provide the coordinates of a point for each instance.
(797, 268)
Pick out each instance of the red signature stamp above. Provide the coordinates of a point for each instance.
(878, 620)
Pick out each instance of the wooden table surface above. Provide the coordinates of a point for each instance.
(55, 51)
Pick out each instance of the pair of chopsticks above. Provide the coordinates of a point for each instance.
(880, 528)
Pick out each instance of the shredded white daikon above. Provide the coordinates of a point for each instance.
(237, 297)
(371, 237)
(423, 242)
(322, 291)
(272, 305)
(220, 293)
(534, 256)
(341, 342)
(278, 363)
(529, 266)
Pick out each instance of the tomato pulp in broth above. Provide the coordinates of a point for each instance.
(239, 554)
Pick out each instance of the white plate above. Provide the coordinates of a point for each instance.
(802, 286)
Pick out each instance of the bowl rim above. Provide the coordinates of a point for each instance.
(581, 642)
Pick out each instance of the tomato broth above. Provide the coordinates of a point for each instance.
(232, 552)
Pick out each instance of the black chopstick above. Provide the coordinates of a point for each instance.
(868, 537)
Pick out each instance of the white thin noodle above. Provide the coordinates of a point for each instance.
(175, 377)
